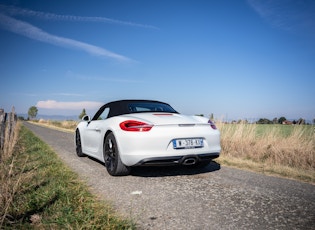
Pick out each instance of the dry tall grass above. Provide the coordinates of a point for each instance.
(8, 184)
(70, 125)
(270, 147)
(9, 142)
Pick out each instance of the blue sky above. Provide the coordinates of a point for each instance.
(236, 59)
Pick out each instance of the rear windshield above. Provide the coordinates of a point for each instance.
(141, 107)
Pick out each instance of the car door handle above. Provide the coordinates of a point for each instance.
(97, 129)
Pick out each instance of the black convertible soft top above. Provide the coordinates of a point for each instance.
(121, 107)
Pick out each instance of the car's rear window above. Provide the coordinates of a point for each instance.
(141, 107)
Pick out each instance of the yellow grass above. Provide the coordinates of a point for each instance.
(68, 126)
(9, 142)
(291, 155)
(8, 186)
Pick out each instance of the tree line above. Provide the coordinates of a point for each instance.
(32, 113)
(282, 120)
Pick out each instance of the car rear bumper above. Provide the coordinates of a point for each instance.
(178, 160)
(156, 146)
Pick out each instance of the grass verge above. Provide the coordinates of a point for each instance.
(38, 191)
(307, 176)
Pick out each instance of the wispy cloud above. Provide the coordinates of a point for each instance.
(50, 94)
(8, 22)
(104, 79)
(23, 94)
(289, 15)
(33, 32)
(69, 94)
(60, 105)
(57, 17)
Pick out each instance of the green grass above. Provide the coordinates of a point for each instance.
(285, 130)
(264, 129)
(39, 191)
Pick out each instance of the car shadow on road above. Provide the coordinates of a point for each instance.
(162, 171)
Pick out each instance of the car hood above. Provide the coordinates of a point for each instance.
(167, 118)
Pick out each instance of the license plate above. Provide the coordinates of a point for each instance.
(188, 143)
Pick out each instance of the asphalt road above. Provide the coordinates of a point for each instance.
(215, 197)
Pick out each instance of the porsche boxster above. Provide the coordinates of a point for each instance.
(128, 133)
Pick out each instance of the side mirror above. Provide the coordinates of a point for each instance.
(86, 118)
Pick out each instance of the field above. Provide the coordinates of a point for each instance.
(283, 150)
(66, 125)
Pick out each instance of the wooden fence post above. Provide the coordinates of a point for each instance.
(2, 128)
(7, 127)
(11, 121)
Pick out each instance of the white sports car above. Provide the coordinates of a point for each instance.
(129, 133)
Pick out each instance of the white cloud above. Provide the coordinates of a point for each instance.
(52, 104)
(35, 33)
(57, 17)
(289, 15)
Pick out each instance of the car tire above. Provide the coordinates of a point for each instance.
(112, 160)
(78, 145)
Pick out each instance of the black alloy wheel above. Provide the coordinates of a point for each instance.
(78, 145)
(112, 159)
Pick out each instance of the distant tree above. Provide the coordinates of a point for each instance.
(21, 118)
(83, 113)
(264, 121)
(281, 120)
(314, 121)
(260, 121)
(240, 121)
(275, 120)
(211, 117)
(294, 122)
(32, 112)
(301, 121)
(201, 115)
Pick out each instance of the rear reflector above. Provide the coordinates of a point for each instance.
(135, 126)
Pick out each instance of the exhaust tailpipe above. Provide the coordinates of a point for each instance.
(189, 161)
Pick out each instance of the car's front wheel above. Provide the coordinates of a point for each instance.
(113, 163)
(78, 145)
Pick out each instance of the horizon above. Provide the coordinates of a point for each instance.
(59, 117)
(235, 59)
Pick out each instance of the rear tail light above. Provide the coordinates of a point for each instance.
(212, 124)
(135, 126)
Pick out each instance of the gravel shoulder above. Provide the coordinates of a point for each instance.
(214, 197)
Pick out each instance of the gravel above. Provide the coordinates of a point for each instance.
(214, 197)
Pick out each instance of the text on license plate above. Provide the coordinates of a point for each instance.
(188, 143)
